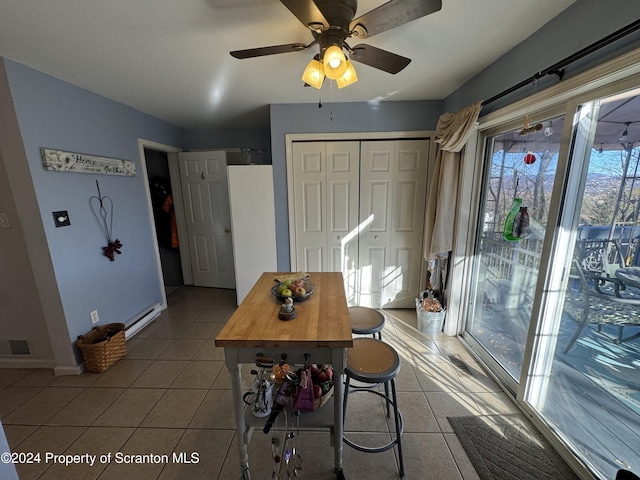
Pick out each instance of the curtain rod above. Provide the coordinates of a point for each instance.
(557, 68)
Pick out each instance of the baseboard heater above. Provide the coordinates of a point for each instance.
(141, 320)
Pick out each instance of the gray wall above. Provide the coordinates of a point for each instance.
(335, 118)
(219, 139)
(55, 114)
(580, 25)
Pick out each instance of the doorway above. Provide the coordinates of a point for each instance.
(163, 208)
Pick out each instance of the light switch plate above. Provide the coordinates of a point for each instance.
(61, 218)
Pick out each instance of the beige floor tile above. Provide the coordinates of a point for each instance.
(130, 408)
(148, 349)
(198, 374)
(122, 374)
(8, 376)
(428, 452)
(205, 450)
(42, 406)
(366, 466)
(16, 434)
(45, 439)
(209, 351)
(175, 409)
(167, 330)
(85, 379)
(417, 414)
(460, 457)
(365, 412)
(181, 349)
(198, 330)
(40, 377)
(478, 380)
(86, 407)
(14, 397)
(160, 374)
(450, 404)
(438, 377)
(215, 315)
(495, 403)
(215, 411)
(406, 380)
(159, 442)
(95, 441)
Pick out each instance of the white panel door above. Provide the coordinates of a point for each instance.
(393, 183)
(359, 209)
(377, 166)
(326, 204)
(203, 176)
(402, 277)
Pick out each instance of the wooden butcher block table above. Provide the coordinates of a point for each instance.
(321, 333)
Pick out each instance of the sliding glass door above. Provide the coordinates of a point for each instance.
(554, 294)
(520, 166)
(585, 374)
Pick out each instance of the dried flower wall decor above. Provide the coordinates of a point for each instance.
(102, 209)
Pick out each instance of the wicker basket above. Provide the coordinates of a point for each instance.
(103, 346)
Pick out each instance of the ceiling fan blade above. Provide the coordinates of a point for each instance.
(275, 49)
(307, 12)
(393, 14)
(378, 58)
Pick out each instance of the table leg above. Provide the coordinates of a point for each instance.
(238, 411)
(339, 362)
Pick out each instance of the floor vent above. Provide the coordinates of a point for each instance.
(14, 347)
(459, 364)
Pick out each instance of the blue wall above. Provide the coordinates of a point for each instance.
(218, 139)
(577, 27)
(55, 114)
(335, 118)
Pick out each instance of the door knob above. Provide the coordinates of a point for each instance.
(227, 230)
(202, 175)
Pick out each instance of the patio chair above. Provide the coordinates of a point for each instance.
(601, 300)
(599, 259)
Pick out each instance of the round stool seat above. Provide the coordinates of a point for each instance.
(372, 361)
(365, 320)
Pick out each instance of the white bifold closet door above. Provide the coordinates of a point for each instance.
(359, 209)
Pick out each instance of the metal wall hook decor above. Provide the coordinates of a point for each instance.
(102, 209)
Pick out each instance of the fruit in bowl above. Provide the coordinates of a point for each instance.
(297, 289)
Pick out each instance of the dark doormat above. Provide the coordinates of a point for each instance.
(503, 447)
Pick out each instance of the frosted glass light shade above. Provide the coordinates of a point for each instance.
(348, 77)
(334, 62)
(314, 74)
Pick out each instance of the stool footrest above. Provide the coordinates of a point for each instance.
(389, 445)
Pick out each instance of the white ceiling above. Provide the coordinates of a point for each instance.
(169, 58)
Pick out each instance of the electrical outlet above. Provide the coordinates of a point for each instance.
(94, 317)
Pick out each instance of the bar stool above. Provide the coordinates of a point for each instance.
(371, 361)
(366, 321)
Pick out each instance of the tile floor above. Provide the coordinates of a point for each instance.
(171, 393)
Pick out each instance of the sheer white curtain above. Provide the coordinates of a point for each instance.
(452, 133)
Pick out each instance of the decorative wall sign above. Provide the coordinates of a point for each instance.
(60, 161)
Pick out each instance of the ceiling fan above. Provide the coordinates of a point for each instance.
(331, 22)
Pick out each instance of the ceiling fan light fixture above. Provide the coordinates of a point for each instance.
(314, 74)
(348, 77)
(334, 61)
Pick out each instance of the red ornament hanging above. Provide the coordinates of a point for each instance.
(529, 158)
